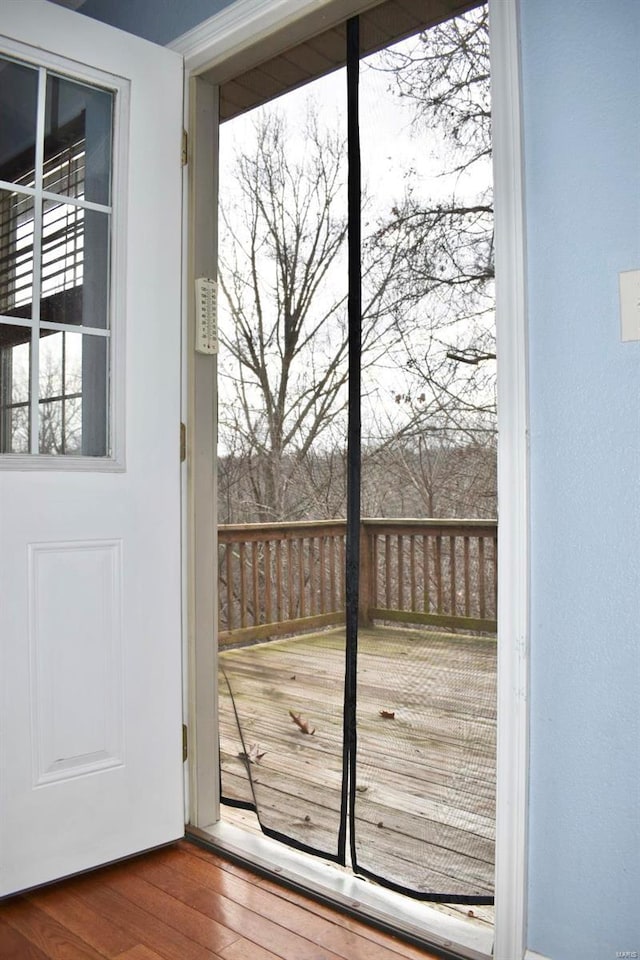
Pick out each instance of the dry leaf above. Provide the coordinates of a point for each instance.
(388, 714)
(303, 725)
(253, 755)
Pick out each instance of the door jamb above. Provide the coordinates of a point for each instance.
(513, 484)
(237, 27)
(201, 708)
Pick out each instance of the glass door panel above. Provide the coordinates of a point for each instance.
(56, 142)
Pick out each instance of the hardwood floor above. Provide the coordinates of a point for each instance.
(184, 903)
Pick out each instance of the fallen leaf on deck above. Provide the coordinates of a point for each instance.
(360, 788)
(253, 755)
(300, 723)
(388, 714)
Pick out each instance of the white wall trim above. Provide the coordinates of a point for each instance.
(532, 955)
(246, 22)
(513, 487)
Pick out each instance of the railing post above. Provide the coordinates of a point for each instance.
(366, 575)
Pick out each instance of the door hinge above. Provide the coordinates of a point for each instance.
(183, 443)
(185, 148)
(185, 742)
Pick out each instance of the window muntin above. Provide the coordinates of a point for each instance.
(55, 239)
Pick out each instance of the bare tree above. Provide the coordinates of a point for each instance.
(444, 248)
(428, 341)
(285, 331)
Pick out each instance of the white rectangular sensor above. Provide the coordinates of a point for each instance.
(630, 304)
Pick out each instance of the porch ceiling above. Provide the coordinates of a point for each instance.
(304, 51)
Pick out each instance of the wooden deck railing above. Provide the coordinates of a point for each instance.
(289, 577)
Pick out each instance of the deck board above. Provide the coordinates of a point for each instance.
(425, 792)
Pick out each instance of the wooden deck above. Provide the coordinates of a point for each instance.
(425, 784)
(183, 903)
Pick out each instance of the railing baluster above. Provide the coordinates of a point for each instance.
(467, 584)
(481, 581)
(412, 567)
(255, 584)
(425, 572)
(452, 573)
(332, 573)
(438, 563)
(243, 586)
(312, 575)
(323, 574)
(279, 580)
(400, 569)
(387, 571)
(290, 607)
(267, 582)
(301, 575)
(230, 590)
(374, 573)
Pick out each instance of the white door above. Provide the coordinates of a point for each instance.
(90, 621)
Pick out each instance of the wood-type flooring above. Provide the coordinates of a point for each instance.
(184, 903)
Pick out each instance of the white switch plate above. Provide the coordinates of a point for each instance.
(630, 304)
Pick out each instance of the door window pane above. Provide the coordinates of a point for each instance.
(78, 140)
(75, 265)
(18, 113)
(15, 361)
(73, 394)
(16, 254)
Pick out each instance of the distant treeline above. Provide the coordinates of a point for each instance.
(416, 479)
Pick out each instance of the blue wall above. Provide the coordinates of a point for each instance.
(581, 90)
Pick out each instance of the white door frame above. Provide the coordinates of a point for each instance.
(209, 45)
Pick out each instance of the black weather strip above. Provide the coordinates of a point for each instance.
(425, 897)
(354, 432)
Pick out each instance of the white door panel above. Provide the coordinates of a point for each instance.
(90, 625)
